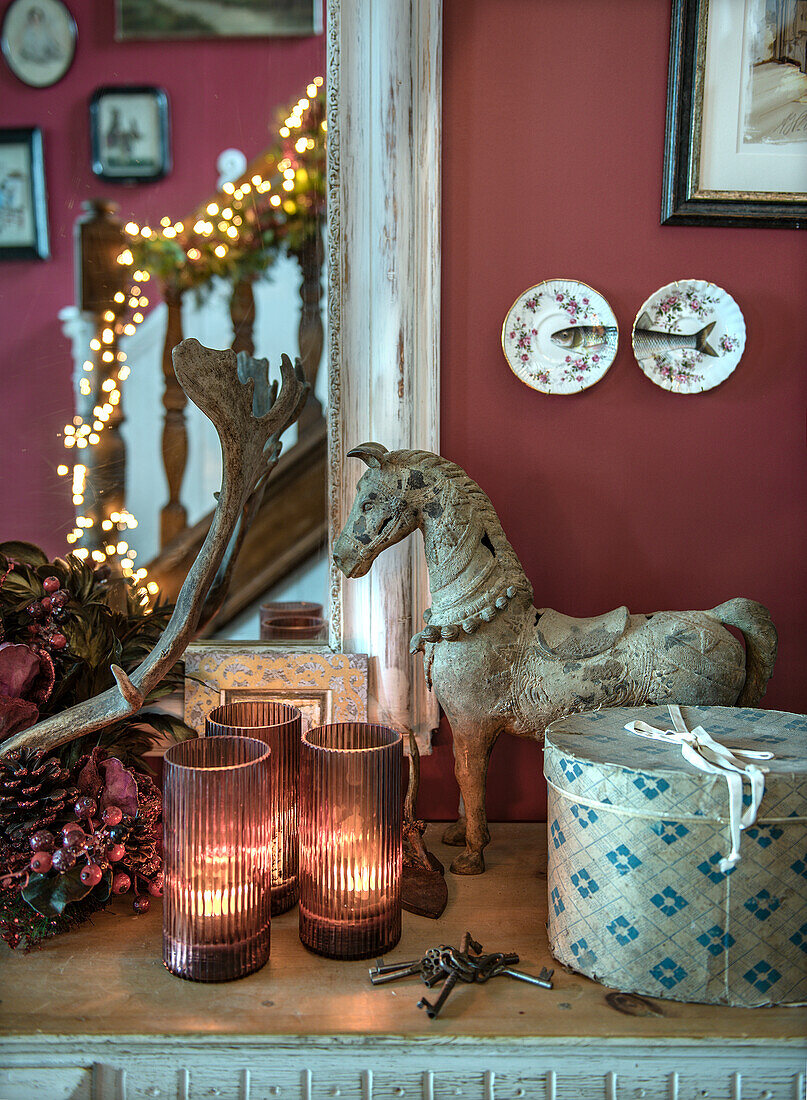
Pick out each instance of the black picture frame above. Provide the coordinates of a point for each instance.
(23, 198)
(130, 133)
(684, 202)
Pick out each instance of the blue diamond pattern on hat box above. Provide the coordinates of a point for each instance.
(636, 838)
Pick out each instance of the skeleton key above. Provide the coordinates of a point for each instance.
(383, 973)
(433, 1010)
(544, 979)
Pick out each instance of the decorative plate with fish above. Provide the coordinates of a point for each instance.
(689, 336)
(560, 336)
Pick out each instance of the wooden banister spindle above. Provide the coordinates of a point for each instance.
(311, 257)
(173, 516)
(242, 313)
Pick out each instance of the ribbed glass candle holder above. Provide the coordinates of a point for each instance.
(351, 819)
(284, 608)
(216, 845)
(294, 629)
(280, 726)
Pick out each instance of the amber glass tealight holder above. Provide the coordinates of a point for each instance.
(351, 820)
(280, 726)
(294, 629)
(216, 843)
(279, 609)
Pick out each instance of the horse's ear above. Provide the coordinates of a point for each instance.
(371, 453)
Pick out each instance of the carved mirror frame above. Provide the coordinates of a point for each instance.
(384, 130)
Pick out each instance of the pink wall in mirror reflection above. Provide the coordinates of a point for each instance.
(222, 93)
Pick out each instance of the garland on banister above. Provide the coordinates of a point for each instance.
(82, 823)
(240, 233)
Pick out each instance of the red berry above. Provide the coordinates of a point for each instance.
(91, 874)
(121, 883)
(51, 584)
(156, 885)
(46, 604)
(141, 904)
(58, 641)
(34, 610)
(85, 807)
(59, 599)
(62, 860)
(112, 815)
(115, 853)
(42, 841)
(41, 862)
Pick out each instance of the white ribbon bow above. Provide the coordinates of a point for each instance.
(700, 749)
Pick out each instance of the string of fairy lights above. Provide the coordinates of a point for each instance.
(190, 255)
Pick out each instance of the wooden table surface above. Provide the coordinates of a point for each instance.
(108, 979)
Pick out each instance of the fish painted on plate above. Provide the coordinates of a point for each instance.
(586, 336)
(648, 341)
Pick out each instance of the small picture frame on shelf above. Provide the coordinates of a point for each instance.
(129, 133)
(325, 686)
(23, 205)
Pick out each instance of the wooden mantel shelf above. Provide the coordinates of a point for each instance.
(98, 1004)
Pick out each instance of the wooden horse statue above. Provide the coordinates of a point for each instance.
(496, 663)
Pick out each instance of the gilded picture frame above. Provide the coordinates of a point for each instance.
(730, 157)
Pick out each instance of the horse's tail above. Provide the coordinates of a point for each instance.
(754, 623)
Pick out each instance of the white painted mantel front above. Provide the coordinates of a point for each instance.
(384, 124)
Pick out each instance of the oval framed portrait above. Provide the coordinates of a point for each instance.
(38, 40)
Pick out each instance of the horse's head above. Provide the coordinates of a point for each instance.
(384, 512)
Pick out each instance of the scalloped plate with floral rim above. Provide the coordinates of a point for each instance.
(689, 336)
(546, 310)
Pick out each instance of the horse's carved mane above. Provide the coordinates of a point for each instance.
(474, 504)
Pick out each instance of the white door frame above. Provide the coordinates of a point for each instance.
(384, 145)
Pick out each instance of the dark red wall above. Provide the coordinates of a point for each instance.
(222, 93)
(552, 157)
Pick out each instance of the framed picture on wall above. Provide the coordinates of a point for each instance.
(129, 134)
(217, 18)
(736, 141)
(23, 205)
(38, 40)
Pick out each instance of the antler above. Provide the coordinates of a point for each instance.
(250, 446)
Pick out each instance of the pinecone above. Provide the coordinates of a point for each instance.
(34, 791)
(144, 841)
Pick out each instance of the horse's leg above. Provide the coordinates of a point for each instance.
(455, 833)
(472, 749)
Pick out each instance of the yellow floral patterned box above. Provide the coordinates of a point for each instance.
(326, 686)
